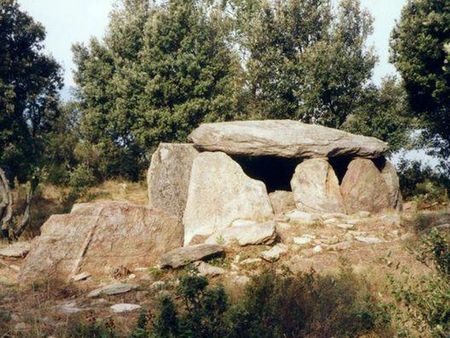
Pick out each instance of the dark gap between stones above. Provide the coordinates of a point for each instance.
(275, 172)
(340, 165)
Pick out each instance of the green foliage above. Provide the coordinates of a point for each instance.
(274, 306)
(427, 298)
(140, 331)
(94, 329)
(421, 52)
(383, 112)
(29, 82)
(423, 182)
(160, 71)
(305, 60)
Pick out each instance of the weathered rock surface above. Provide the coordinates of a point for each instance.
(282, 201)
(98, 237)
(15, 250)
(252, 234)
(113, 289)
(283, 138)
(301, 216)
(364, 188)
(188, 254)
(390, 176)
(168, 177)
(316, 187)
(219, 193)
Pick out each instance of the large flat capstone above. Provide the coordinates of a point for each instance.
(220, 193)
(98, 237)
(168, 177)
(283, 138)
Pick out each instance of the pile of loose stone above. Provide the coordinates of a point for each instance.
(202, 202)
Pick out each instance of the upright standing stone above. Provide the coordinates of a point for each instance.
(316, 187)
(168, 177)
(219, 193)
(364, 188)
(390, 176)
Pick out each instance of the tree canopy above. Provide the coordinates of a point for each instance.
(160, 71)
(421, 52)
(29, 85)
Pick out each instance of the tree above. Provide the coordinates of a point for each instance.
(383, 113)
(29, 84)
(160, 71)
(420, 46)
(306, 61)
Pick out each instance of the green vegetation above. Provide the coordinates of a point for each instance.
(274, 306)
(421, 52)
(424, 302)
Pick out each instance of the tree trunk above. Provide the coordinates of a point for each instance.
(8, 229)
(6, 202)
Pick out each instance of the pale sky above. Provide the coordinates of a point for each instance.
(70, 21)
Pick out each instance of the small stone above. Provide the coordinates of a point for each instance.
(331, 221)
(274, 253)
(183, 256)
(113, 289)
(68, 308)
(340, 246)
(208, 270)
(81, 276)
(369, 240)
(332, 215)
(304, 240)
(345, 226)
(317, 249)
(353, 221)
(251, 261)
(301, 216)
(123, 307)
(132, 276)
(363, 214)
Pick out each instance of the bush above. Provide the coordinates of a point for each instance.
(426, 299)
(274, 305)
(422, 182)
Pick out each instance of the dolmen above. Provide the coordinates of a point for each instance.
(227, 186)
(246, 171)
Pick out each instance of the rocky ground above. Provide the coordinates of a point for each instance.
(373, 245)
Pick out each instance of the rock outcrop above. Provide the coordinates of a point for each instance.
(219, 193)
(168, 177)
(97, 237)
(316, 187)
(364, 188)
(284, 138)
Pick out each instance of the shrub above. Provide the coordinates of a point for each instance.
(274, 305)
(426, 299)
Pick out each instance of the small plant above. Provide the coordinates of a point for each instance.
(220, 240)
(155, 272)
(140, 331)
